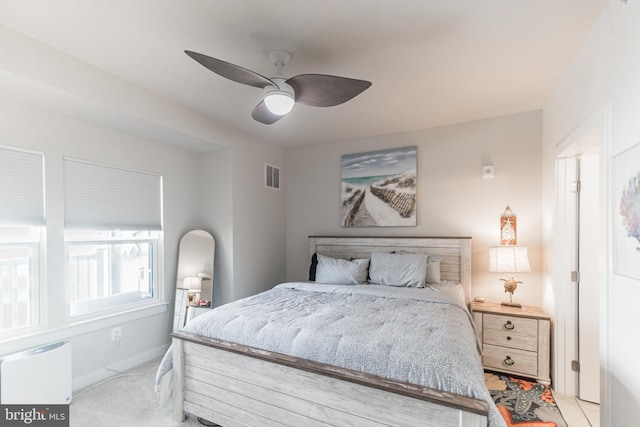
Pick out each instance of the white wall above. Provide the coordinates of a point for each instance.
(52, 102)
(453, 198)
(198, 188)
(605, 76)
(216, 216)
(246, 218)
(145, 333)
(258, 219)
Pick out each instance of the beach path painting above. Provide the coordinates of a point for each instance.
(379, 188)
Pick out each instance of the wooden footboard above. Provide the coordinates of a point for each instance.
(235, 385)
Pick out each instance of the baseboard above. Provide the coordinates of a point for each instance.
(124, 365)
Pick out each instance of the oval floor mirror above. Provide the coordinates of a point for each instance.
(194, 284)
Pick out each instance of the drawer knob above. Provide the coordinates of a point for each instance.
(508, 361)
(509, 326)
(508, 338)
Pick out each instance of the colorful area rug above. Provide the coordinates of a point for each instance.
(524, 403)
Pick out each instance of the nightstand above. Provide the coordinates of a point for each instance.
(514, 340)
(195, 311)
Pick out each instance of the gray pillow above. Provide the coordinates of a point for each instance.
(336, 271)
(433, 269)
(407, 270)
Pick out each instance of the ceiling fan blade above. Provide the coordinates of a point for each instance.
(231, 71)
(262, 114)
(320, 90)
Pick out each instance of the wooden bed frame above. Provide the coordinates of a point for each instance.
(235, 385)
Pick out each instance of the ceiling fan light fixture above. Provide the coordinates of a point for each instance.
(279, 96)
(279, 100)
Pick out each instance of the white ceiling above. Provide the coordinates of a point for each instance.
(432, 62)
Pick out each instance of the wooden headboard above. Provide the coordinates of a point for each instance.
(455, 252)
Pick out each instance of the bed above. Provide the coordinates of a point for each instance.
(316, 353)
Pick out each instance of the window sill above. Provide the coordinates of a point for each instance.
(100, 308)
(37, 337)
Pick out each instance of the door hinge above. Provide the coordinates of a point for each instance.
(575, 276)
(575, 366)
(576, 186)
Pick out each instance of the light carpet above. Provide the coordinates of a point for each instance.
(123, 402)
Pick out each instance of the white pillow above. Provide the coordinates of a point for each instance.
(336, 271)
(407, 270)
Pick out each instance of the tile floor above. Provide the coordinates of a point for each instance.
(592, 411)
(578, 413)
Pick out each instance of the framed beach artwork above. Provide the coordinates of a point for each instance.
(626, 213)
(379, 188)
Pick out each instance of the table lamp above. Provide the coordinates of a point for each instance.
(194, 284)
(509, 259)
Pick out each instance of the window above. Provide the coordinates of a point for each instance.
(15, 276)
(113, 223)
(19, 274)
(109, 269)
(21, 221)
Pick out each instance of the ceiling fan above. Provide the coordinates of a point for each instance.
(281, 92)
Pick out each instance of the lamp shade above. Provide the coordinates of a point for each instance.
(509, 259)
(279, 99)
(193, 283)
(279, 102)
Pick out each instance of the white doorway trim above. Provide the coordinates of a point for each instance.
(593, 132)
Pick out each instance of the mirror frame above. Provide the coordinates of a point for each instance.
(196, 255)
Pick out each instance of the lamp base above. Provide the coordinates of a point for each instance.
(512, 304)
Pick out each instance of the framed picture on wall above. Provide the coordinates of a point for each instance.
(626, 213)
(379, 188)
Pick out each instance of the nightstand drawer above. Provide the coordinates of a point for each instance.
(523, 340)
(512, 324)
(508, 359)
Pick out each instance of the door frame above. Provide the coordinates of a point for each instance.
(594, 131)
(590, 267)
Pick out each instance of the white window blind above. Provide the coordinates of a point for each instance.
(105, 197)
(21, 187)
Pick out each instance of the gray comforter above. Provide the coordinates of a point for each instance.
(421, 336)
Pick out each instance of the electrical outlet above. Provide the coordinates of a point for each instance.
(116, 334)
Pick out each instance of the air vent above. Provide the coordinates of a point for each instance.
(272, 176)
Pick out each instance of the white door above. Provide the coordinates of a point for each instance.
(588, 287)
(580, 243)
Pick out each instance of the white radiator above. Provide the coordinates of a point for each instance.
(37, 376)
